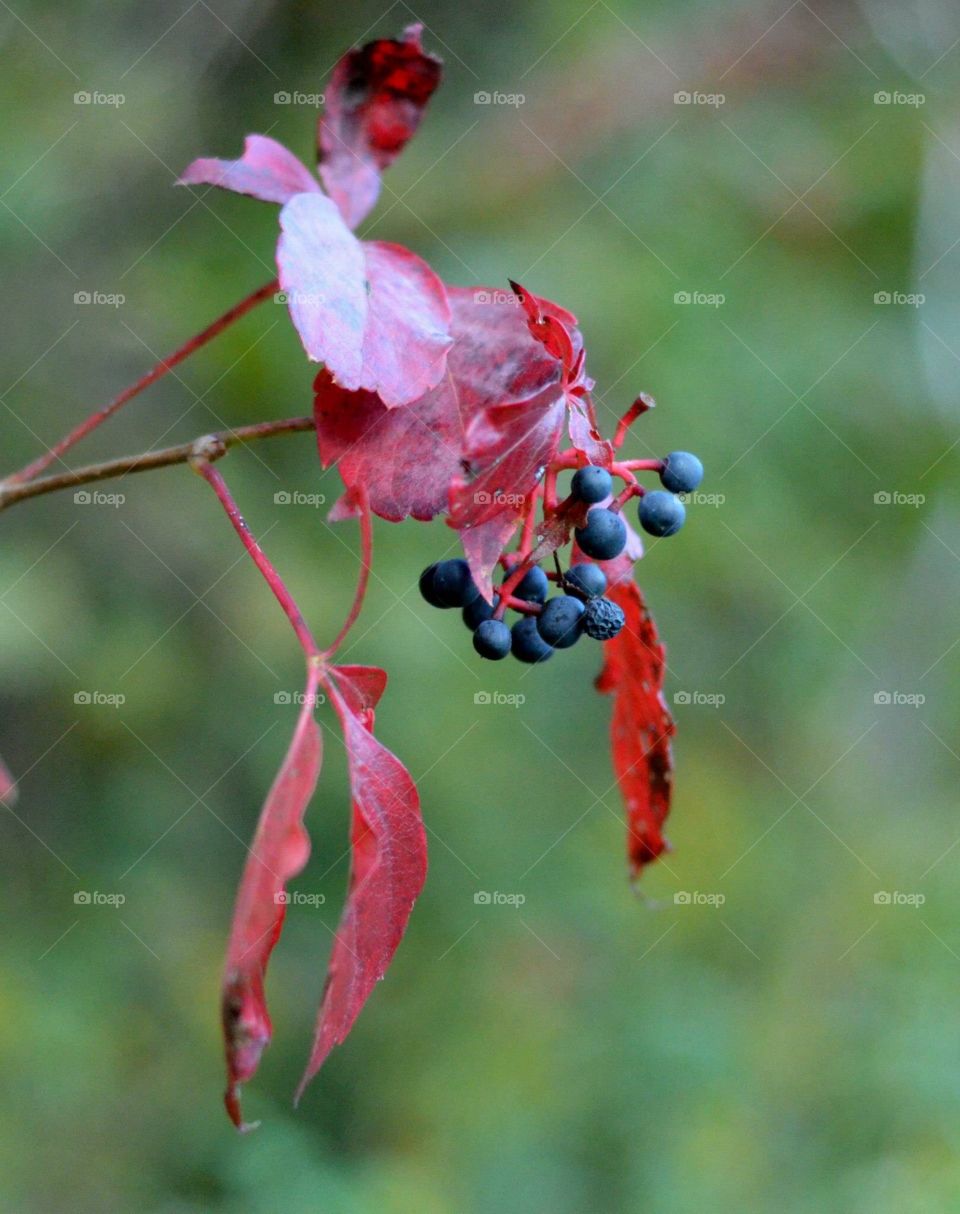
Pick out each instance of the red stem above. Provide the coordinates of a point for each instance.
(97, 419)
(273, 579)
(362, 500)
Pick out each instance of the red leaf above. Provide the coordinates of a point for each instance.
(483, 546)
(641, 727)
(8, 786)
(408, 458)
(266, 170)
(279, 851)
(388, 867)
(374, 313)
(374, 103)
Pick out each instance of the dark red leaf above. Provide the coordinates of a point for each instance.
(374, 313)
(483, 546)
(388, 866)
(408, 458)
(8, 786)
(266, 170)
(641, 727)
(279, 851)
(374, 103)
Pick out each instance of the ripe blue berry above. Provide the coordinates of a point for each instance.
(427, 588)
(681, 472)
(559, 622)
(478, 610)
(452, 583)
(533, 586)
(603, 619)
(492, 640)
(604, 536)
(591, 484)
(661, 513)
(585, 581)
(527, 644)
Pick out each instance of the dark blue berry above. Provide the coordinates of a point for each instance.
(527, 643)
(452, 583)
(427, 588)
(586, 581)
(533, 586)
(559, 622)
(661, 513)
(681, 473)
(492, 640)
(478, 610)
(603, 619)
(591, 484)
(604, 535)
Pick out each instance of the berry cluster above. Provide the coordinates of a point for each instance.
(580, 608)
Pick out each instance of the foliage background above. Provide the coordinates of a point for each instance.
(792, 1049)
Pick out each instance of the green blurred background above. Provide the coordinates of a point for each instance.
(791, 1048)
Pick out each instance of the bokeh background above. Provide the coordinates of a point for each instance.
(785, 1038)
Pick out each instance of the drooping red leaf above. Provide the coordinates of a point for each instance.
(388, 862)
(279, 851)
(266, 170)
(374, 313)
(483, 546)
(8, 786)
(374, 103)
(641, 727)
(408, 458)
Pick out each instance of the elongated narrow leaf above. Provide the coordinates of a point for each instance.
(641, 728)
(8, 786)
(279, 851)
(266, 170)
(374, 103)
(374, 313)
(388, 862)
